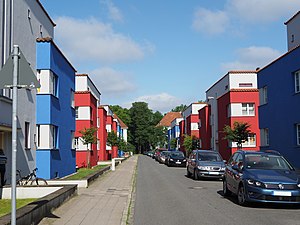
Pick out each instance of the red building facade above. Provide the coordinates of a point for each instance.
(87, 98)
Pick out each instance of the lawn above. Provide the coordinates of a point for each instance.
(5, 204)
(84, 172)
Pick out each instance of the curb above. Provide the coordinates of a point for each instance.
(127, 212)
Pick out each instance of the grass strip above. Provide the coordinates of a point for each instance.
(84, 172)
(5, 204)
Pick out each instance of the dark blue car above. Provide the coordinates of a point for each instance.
(261, 177)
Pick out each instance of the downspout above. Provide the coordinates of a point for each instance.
(4, 32)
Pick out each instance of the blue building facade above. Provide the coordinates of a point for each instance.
(55, 112)
(279, 117)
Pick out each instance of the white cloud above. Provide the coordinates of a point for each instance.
(111, 82)
(262, 10)
(252, 57)
(91, 40)
(114, 13)
(241, 13)
(162, 102)
(210, 22)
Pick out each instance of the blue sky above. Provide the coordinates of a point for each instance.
(167, 52)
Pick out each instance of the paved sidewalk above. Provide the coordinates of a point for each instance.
(105, 202)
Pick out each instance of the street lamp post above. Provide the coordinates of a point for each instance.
(15, 74)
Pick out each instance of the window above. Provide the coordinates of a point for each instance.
(54, 79)
(1, 140)
(297, 82)
(248, 109)
(38, 131)
(245, 85)
(54, 136)
(27, 135)
(298, 134)
(263, 95)
(72, 99)
(264, 137)
(251, 140)
(76, 112)
(76, 143)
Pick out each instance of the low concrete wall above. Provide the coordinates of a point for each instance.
(80, 183)
(34, 212)
(28, 191)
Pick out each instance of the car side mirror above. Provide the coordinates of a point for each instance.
(225, 161)
(236, 167)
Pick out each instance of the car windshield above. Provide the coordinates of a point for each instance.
(266, 162)
(177, 154)
(209, 156)
(163, 153)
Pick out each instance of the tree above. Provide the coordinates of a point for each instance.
(88, 137)
(179, 108)
(173, 143)
(112, 139)
(141, 122)
(188, 144)
(239, 133)
(122, 113)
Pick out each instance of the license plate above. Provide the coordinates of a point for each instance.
(282, 193)
(213, 173)
(178, 162)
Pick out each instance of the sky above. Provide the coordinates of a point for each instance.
(167, 52)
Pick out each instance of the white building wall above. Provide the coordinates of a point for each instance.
(21, 24)
(81, 83)
(125, 135)
(44, 77)
(293, 32)
(238, 81)
(84, 113)
(229, 81)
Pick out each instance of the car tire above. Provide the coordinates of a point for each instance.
(188, 174)
(226, 192)
(195, 175)
(241, 196)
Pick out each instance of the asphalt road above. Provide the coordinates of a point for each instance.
(165, 196)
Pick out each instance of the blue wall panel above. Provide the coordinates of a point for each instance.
(281, 113)
(57, 111)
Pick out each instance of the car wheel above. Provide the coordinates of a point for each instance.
(242, 196)
(226, 192)
(188, 174)
(195, 175)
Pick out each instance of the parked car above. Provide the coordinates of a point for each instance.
(176, 158)
(205, 163)
(261, 177)
(162, 156)
(157, 153)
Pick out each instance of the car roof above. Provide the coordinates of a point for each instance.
(267, 152)
(202, 150)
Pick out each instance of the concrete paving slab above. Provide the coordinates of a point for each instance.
(105, 202)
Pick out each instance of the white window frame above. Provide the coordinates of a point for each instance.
(38, 135)
(248, 109)
(297, 81)
(247, 143)
(27, 135)
(298, 133)
(76, 112)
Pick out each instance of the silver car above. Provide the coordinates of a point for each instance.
(205, 163)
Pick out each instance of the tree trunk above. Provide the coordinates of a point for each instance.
(88, 157)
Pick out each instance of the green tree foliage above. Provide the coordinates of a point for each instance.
(188, 144)
(173, 143)
(122, 113)
(112, 139)
(88, 137)
(179, 108)
(239, 133)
